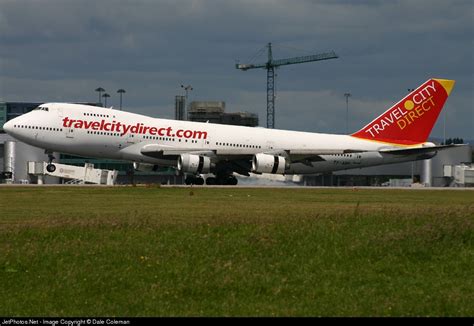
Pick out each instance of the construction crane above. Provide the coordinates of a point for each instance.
(270, 65)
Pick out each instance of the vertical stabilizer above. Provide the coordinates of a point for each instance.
(410, 120)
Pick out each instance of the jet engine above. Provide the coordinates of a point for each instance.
(197, 164)
(265, 163)
(144, 167)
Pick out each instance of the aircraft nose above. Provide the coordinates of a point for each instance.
(8, 127)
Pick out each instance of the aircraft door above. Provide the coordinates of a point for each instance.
(354, 159)
(69, 132)
(270, 144)
(131, 139)
(205, 143)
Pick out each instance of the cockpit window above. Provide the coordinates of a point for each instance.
(42, 108)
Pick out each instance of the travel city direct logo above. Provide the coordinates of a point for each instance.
(409, 112)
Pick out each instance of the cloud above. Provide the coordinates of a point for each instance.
(64, 49)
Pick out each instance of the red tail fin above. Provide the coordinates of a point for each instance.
(410, 121)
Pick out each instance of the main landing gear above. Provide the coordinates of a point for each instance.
(228, 180)
(50, 167)
(194, 180)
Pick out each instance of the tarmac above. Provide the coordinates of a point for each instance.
(295, 187)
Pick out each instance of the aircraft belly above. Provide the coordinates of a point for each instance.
(315, 167)
(133, 153)
(337, 163)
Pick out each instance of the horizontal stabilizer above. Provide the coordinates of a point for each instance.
(416, 150)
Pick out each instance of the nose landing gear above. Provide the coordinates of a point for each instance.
(50, 167)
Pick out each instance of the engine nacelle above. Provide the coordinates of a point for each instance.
(264, 163)
(144, 167)
(197, 164)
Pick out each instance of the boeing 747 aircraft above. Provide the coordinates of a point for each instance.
(193, 148)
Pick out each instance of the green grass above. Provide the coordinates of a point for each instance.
(147, 251)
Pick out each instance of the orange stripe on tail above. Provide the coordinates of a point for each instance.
(410, 121)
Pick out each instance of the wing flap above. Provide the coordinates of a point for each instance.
(167, 152)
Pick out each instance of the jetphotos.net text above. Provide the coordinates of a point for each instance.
(138, 128)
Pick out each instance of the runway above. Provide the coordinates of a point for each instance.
(293, 187)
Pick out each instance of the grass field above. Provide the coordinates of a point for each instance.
(150, 251)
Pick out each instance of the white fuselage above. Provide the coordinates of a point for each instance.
(107, 133)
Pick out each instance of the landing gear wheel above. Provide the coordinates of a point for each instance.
(50, 168)
(228, 180)
(211, 181)
(198, 181)
(194, 181)
(231, 181)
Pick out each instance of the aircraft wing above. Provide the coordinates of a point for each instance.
(240, 160)
(293, 155)
(161, 151)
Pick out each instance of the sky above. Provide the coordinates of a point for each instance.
(62, 50)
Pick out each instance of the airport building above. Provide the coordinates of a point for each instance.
(214, 112)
